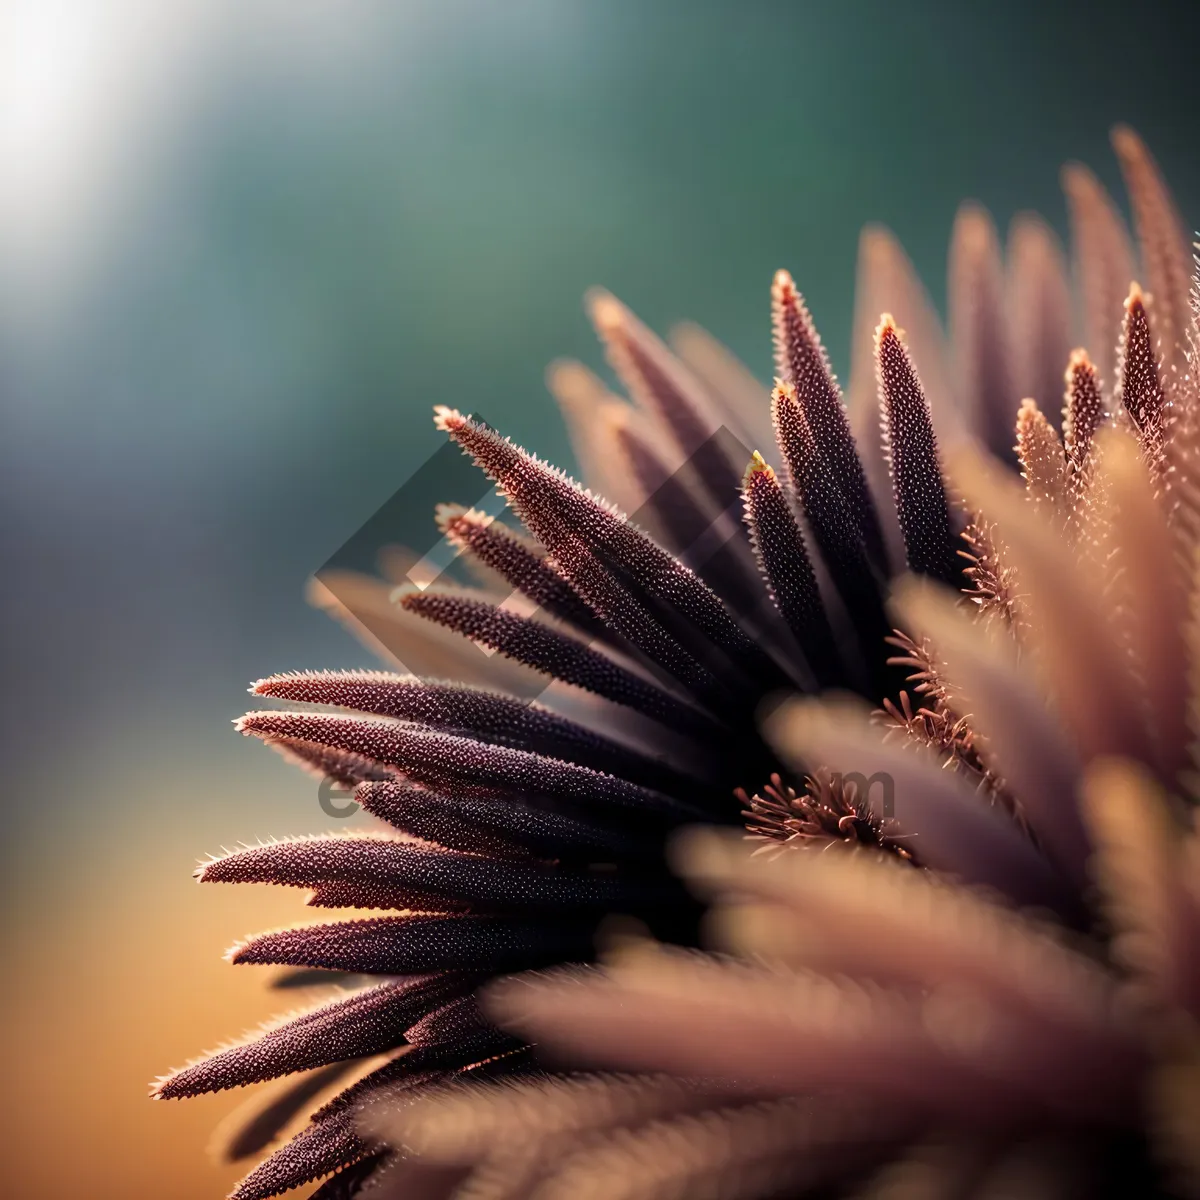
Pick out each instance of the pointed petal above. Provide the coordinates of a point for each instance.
(366, 1023)
(553, 653)
(320, 1148)
(451, 1022)
(588, 409)
(308, 862)
(614, 600)
(1139, 386)
(801, 361)
(516, 561)
(833, 529)
(1165, 246)
(1083, 409)
(1039, 307)
(662, 386)
(463, 823)
(979, 330)
(1083, 416)
(404, 945)
(912, 453)
(472, 768)
(887, 282)
(1103, 263)
(482, 715)
(592, 544)
(783, 558)
(1040, 454)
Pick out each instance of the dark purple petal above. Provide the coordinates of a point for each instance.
(833, 528)
(388, 863)
(317, 1150)
(779, 545)
(330, 1143)
(409, 944)
(451, 1022)
(582, 534)
(442, 761)
(651, 626)
(555, 654)
(663, 386)
(833, 525)
(363, 1024)
(676, 512)
(482, 715)
(369, 893)
(1140, 387)
(416, 1066)
(911, 449)
(328, 762)
(520, 563)
(464, 823)
(801, 361)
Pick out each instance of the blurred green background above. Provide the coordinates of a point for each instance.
(245, 248)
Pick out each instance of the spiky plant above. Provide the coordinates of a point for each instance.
(1011, 1006)
(514, 826)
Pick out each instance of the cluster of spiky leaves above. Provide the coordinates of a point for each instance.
(509, 827)
(1021, 1016)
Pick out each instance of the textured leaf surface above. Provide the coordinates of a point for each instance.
(403, 945)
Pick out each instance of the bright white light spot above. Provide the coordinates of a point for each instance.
(92, 91)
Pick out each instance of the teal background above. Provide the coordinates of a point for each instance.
(314, 258)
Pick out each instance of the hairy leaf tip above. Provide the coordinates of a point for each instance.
(758, 466)
(887, 327)
(447, 419)
(607, 313)
(1136, 297)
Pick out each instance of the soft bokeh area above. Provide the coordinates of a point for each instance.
(244, 248)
